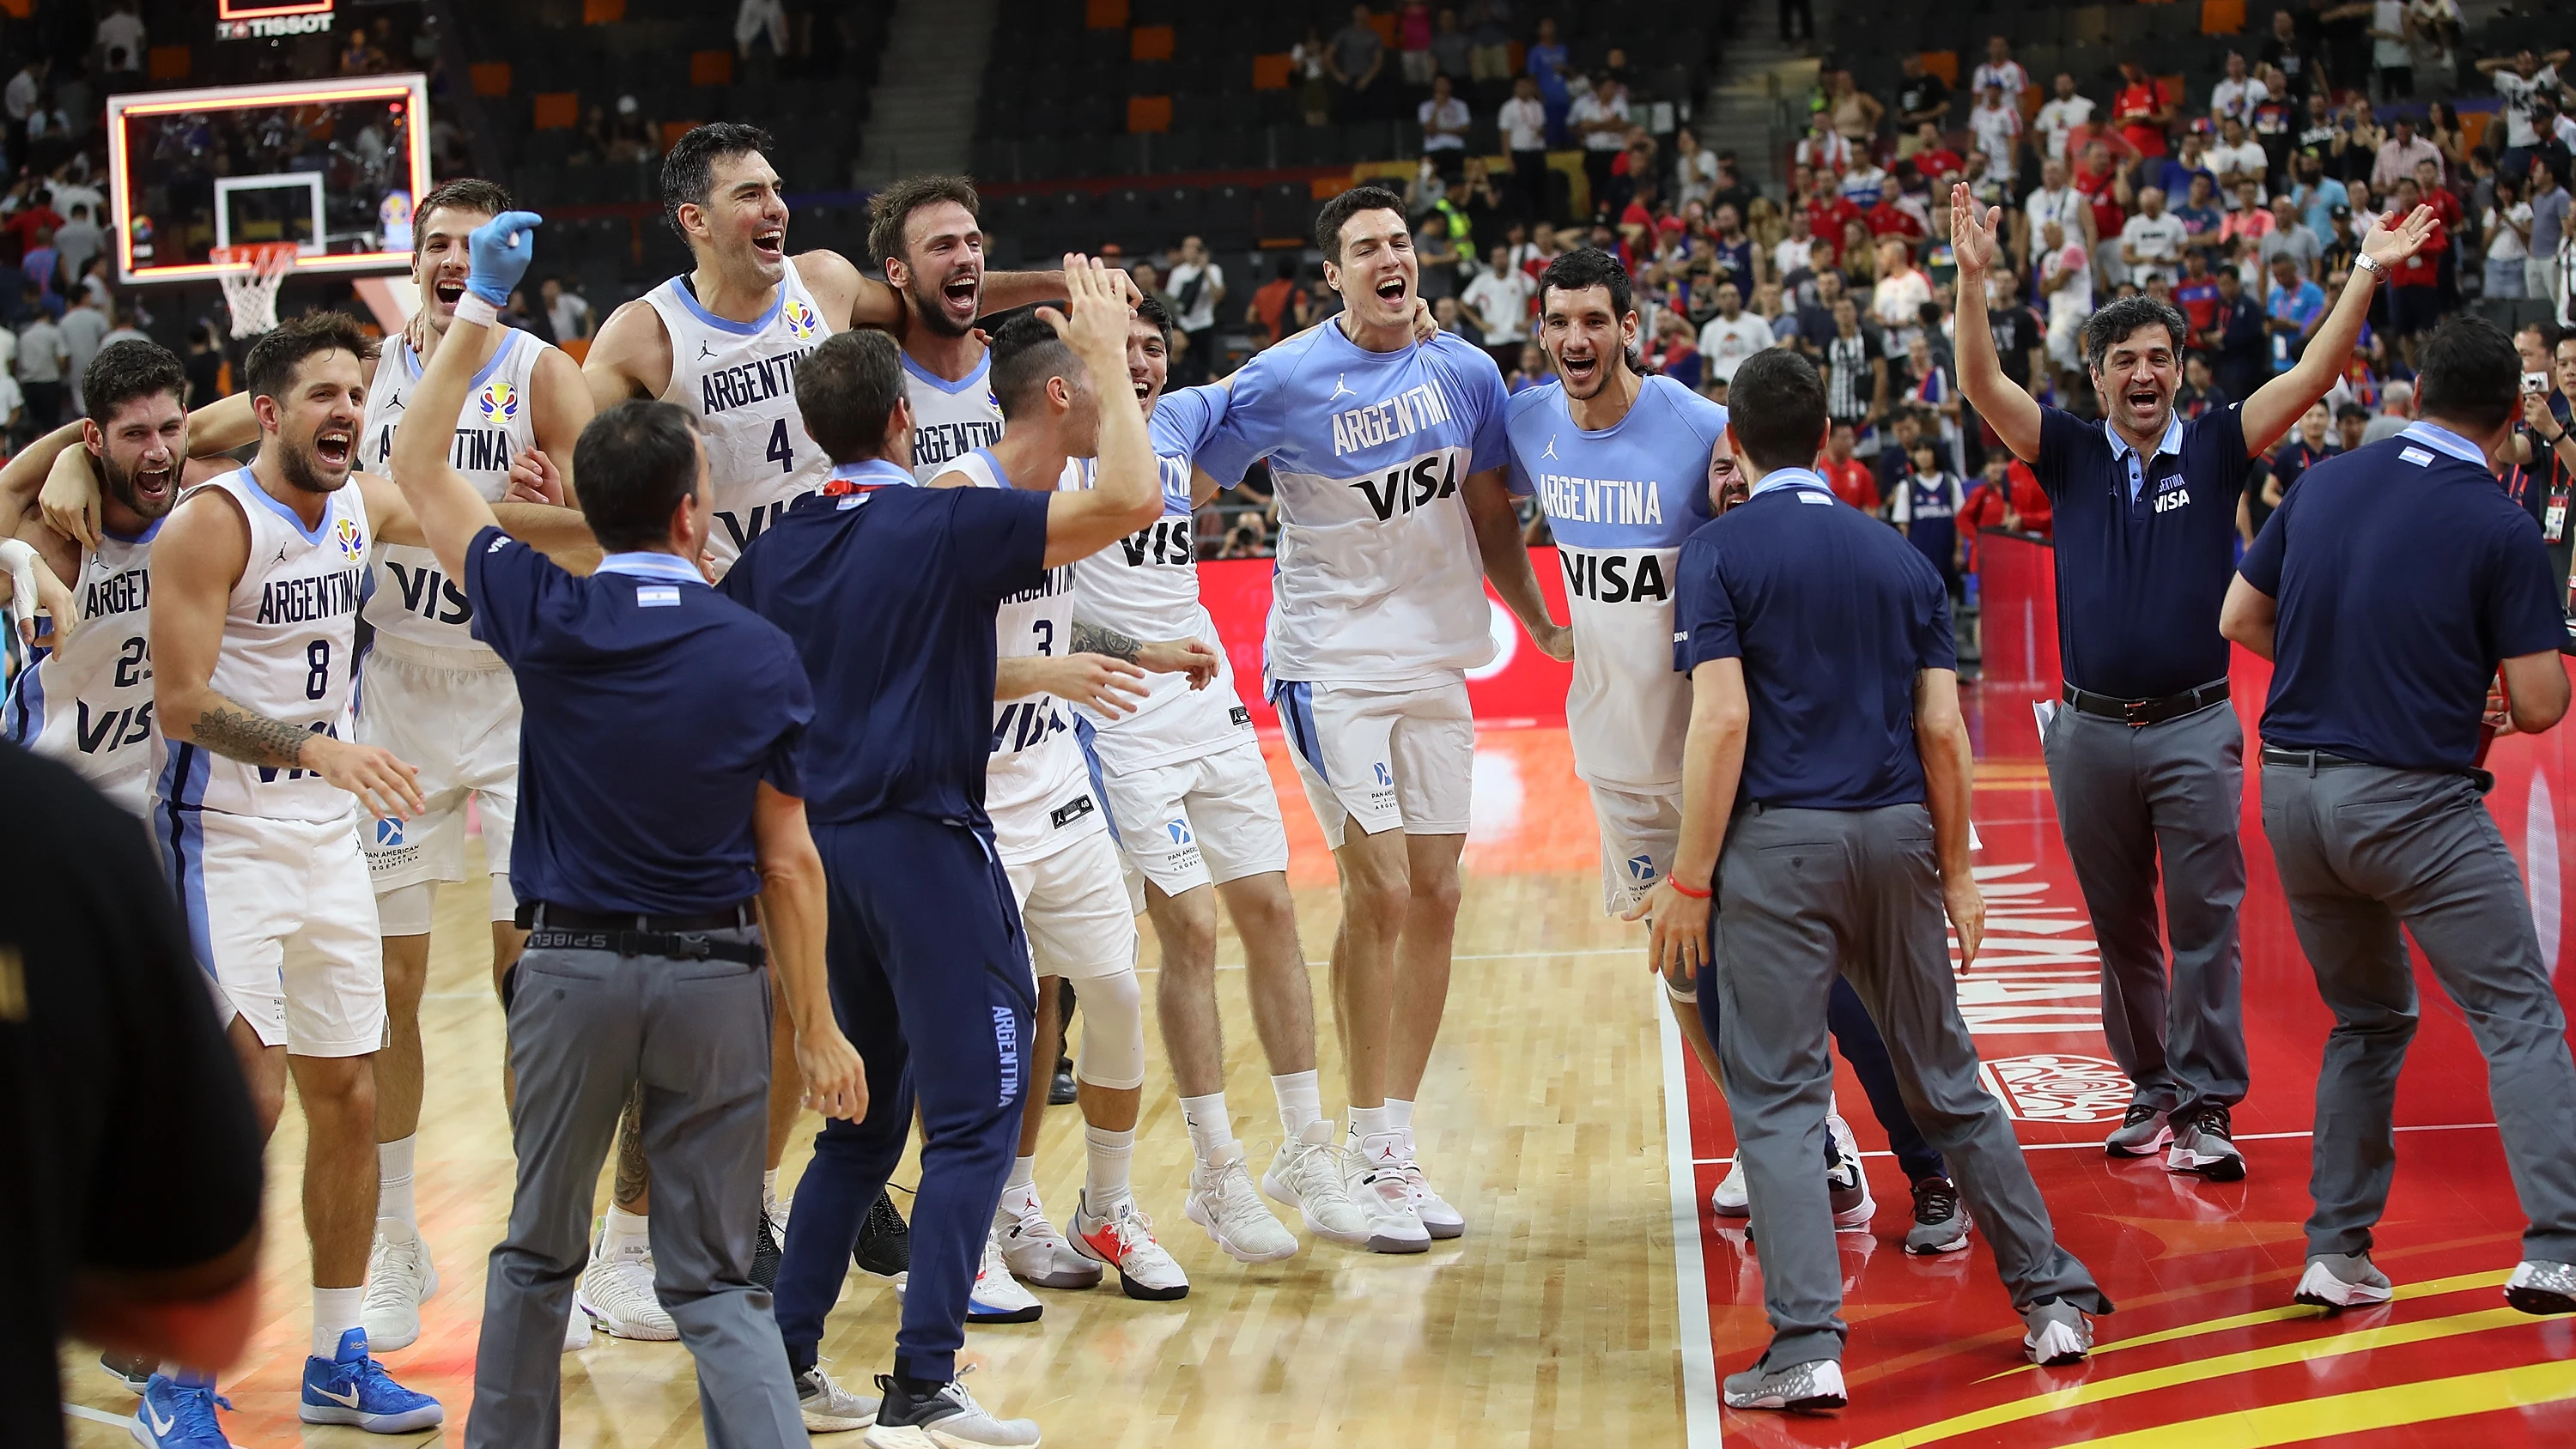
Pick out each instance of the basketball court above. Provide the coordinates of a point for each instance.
(1563, 1116)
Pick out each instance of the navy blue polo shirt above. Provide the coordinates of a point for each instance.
(2404, 575)
(889, 592)
(2145, 548)
(652, 711)
(1833, 614)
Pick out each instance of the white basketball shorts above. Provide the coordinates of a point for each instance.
(1639, 833)
(284, 919)
(460, 727)
(1073, 903)
(1199, 822)
(1388, 759)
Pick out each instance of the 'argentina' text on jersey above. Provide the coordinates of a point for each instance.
(943, 442)
(120, 593)
(1385, 421)
(746, 383)
(314, 596)
(1599, 500)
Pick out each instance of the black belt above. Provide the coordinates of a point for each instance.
(2137, 714)
(2314, 760)
(678, 938)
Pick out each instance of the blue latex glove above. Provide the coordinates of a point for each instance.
(501, 250)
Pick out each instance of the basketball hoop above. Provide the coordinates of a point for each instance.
(251, 276)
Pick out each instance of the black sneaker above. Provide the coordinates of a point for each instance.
(766, 1254)
(950, 1415)
(1060, 1091)
(885, 1240)
(132, 1372)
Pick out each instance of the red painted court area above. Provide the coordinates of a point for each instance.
(2206, 1349)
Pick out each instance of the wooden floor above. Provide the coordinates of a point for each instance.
(1552, 1322)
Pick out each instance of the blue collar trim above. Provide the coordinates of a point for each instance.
(876, 471)
(2434, 436)
(983, 366)
(646, 565)
(2171, 442)
(1788, 478)
(309, 535)
(145, 536)
(509, 343)
(689, 299)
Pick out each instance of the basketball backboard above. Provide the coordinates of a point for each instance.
(332, 165)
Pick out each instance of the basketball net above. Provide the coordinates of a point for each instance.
(251, 276)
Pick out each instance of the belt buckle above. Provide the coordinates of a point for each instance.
(2133, 713)
(690, 948)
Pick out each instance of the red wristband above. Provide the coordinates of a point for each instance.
(1675, 883)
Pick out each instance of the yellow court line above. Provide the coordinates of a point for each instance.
(2390, 1335)
(2358, 1412)
(2430, 1288)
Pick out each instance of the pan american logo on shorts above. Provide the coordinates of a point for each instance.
(1384, 777)
(1641, 869)
(1179, 831)
(498, 401)
(389, 832)
(2057, 1087)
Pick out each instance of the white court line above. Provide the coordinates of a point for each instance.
(1638, 951)
(115, 1421)
(1690, 1274)
(2096, 1146)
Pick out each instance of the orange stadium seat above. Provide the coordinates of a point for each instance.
(1149, 113)
(1270, 72)
(2222, 17)
(1150, 42)
(491, 77)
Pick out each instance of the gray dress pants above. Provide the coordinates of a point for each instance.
(2363, 850)
(1802, 894)
(2126, 800)
(585, 1028)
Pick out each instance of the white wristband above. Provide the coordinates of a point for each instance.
(2363, 261)
(473, 309)
(18, 561)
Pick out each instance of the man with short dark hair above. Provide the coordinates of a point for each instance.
(1826, 784)
(2389, 589)
(653, 902)
(2144, 755)
(891, 593)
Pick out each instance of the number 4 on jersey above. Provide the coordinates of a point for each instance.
(781, 451)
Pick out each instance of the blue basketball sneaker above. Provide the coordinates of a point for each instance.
(351, 1388)
(174, 1415)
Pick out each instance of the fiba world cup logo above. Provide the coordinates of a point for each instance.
(346, 535)
(801, 320)
(499, 402)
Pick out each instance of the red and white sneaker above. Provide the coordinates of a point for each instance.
(1124, 1239)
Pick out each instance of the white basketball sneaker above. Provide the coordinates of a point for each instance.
(1374, 1172)
(1123, 1238)
(1731, 1198)
(616, 1290)
(1034, 1250)
(997, 1297)
(1222, 1200)
(1307, 1176)
(1439, 1219)
(400, 1278)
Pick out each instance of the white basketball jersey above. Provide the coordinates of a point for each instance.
(950, 419)
(413, 598)
(739, 378)
(87, 700)
(1146, 586)
(1037, 786)
(290, 643)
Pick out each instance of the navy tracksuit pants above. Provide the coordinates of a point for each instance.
(931, 982)
(1861, 1046)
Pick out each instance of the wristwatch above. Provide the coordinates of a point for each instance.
(2363, 260)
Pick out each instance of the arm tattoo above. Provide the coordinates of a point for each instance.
(236, 733)
(632, 1178)
(1090, 638)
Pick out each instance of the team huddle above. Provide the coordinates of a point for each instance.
(282, 670)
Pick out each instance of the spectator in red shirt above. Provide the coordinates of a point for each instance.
(2415, 284)
(1852, 480)
(2196, 291)
(1889, 216)
(2097, 181)
(1270, 303)
(2143, 109)
(2007, 497)
(1933, 158)
(1827, 210)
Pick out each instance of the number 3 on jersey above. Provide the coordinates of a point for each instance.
(781, 451)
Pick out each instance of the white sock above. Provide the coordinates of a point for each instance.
(1024, 1173)
(769, 1191)
(1107, 1157)
(1020, 1193)
(1399, 1114)
(335, 1312)
(1367, 1122)
(393, 1182)
(1300, 1101)
(627, 1233)
(1211, 1128)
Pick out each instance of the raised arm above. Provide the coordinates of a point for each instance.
(1949, 783)
(1129, 492)
(197, 558)
(448, 509)
(2277, 404)
(561, 406)
(1500, 543)
(26, 479)
(2013, 413)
